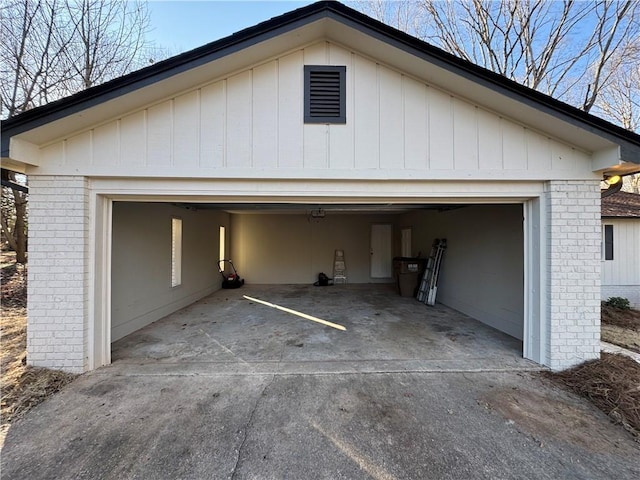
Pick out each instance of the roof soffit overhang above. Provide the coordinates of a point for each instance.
(351, 30)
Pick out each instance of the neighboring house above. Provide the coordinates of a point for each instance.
(621, 247)
(316, 130)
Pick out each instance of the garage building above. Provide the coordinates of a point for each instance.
(316, 131)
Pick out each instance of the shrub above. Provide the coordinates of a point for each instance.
(620, 303)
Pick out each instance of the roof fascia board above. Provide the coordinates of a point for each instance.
(24, 152)
(605, 159)
(10, 164)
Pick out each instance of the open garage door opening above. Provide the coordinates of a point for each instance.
(279, 249)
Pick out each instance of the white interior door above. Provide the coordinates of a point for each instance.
(381, 251)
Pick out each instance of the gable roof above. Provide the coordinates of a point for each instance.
(621, 204)
(336, 21)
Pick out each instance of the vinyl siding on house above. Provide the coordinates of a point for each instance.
(621, 276)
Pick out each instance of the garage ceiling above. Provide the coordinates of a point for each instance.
(318, 209)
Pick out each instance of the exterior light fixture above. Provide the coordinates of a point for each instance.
(614, 185)
(612, 179)
(317, 213)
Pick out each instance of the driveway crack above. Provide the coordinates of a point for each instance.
(247, 426)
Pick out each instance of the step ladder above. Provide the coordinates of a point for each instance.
(429, 284)
(339, 268)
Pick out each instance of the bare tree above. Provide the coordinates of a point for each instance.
(619, 99)
(31, 54)
(107, 38)
(615, 37)
(13, 215)
(54, 48)
(631, 183)
(403, 15)
(562, 48)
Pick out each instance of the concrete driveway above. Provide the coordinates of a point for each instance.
(232, 413)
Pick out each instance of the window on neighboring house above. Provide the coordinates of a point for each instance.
(324, 94)
(608, 242)
(176, 252)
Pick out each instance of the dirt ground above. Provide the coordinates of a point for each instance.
(610, 383)
(553, 413)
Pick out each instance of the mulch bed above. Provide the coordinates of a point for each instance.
(31, 387)
(612, 384)
(621, 318)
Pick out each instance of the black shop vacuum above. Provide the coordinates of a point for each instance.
(231, 280)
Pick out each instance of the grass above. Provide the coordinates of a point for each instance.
(611, 383)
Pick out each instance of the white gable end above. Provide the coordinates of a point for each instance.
(250, 124)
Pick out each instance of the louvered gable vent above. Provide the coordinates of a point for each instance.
(324, 88)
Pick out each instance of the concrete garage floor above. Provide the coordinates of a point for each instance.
(226, 333)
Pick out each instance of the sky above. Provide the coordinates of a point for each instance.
(181, 25)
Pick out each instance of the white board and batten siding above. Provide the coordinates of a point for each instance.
(621, 276)
(251, 124)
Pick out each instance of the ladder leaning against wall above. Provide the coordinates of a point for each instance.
(429, 284)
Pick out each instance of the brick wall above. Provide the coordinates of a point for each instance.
(573, 216)
(57, 288)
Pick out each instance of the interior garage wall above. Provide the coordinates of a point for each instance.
(483, 268)
(141, 290)
(293, 248)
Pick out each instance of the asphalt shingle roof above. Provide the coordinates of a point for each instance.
(621, 204)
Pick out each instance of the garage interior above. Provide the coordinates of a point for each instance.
(279, 249)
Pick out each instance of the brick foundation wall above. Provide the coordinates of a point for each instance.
(57, 288)
(574, 230)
